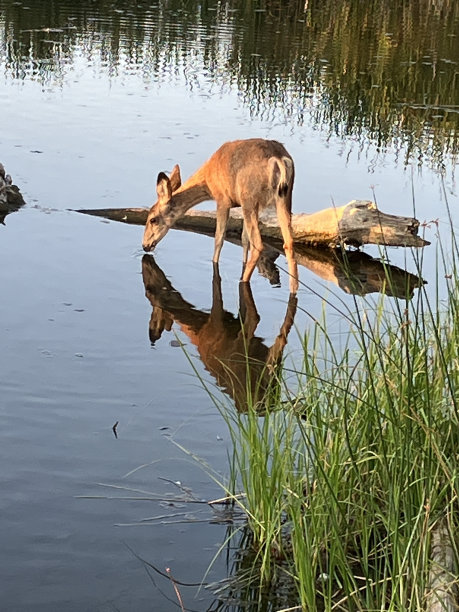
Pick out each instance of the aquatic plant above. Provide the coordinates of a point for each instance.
(349, 478)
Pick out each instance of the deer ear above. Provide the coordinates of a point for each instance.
(163, 188)
(175, 178)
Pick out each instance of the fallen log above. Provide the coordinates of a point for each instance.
(356, 223)
(353, 271)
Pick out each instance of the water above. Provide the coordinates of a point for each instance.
(96, 99)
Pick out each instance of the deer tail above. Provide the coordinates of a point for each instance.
(281, 175)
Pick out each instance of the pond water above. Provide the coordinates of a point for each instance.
(96, 98)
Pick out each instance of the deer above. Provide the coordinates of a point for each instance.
(253, 174)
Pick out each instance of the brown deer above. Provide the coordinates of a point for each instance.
(252, 174)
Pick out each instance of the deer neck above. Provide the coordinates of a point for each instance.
(192, 192)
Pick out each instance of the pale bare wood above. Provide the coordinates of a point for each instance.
(442, 595)
(252, 174)
(358, 222)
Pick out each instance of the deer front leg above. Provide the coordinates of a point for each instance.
(245, 245)
(256, 243)
(284, 219)
(220, 230)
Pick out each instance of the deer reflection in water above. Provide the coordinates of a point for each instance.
(241, 363)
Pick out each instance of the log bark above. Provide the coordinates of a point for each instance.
(442, 593)
(356, 223)
(354, 272)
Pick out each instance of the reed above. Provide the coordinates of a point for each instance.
(346, 479)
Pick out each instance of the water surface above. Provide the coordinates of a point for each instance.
(96, 98)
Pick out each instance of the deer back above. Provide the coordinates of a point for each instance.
(250, 173)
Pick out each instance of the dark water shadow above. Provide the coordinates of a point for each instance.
(240, 362)
(240, 591)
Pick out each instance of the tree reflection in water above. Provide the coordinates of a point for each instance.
(379, 73)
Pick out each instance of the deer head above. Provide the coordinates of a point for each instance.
(160, 219)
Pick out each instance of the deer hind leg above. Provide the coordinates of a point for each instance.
(220, 230)
(284, 218)
(256, 243)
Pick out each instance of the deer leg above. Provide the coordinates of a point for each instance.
(220, 230)
(245, 245)
(284, 218)
(256, 243)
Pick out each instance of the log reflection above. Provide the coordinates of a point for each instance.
(241, 363)
(358, 273)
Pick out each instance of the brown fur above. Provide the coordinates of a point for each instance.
(252, 174)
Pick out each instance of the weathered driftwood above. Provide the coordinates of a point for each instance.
(356, 223)
(354, 272)
(442, 593)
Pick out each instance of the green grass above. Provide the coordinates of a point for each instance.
(346, 478)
